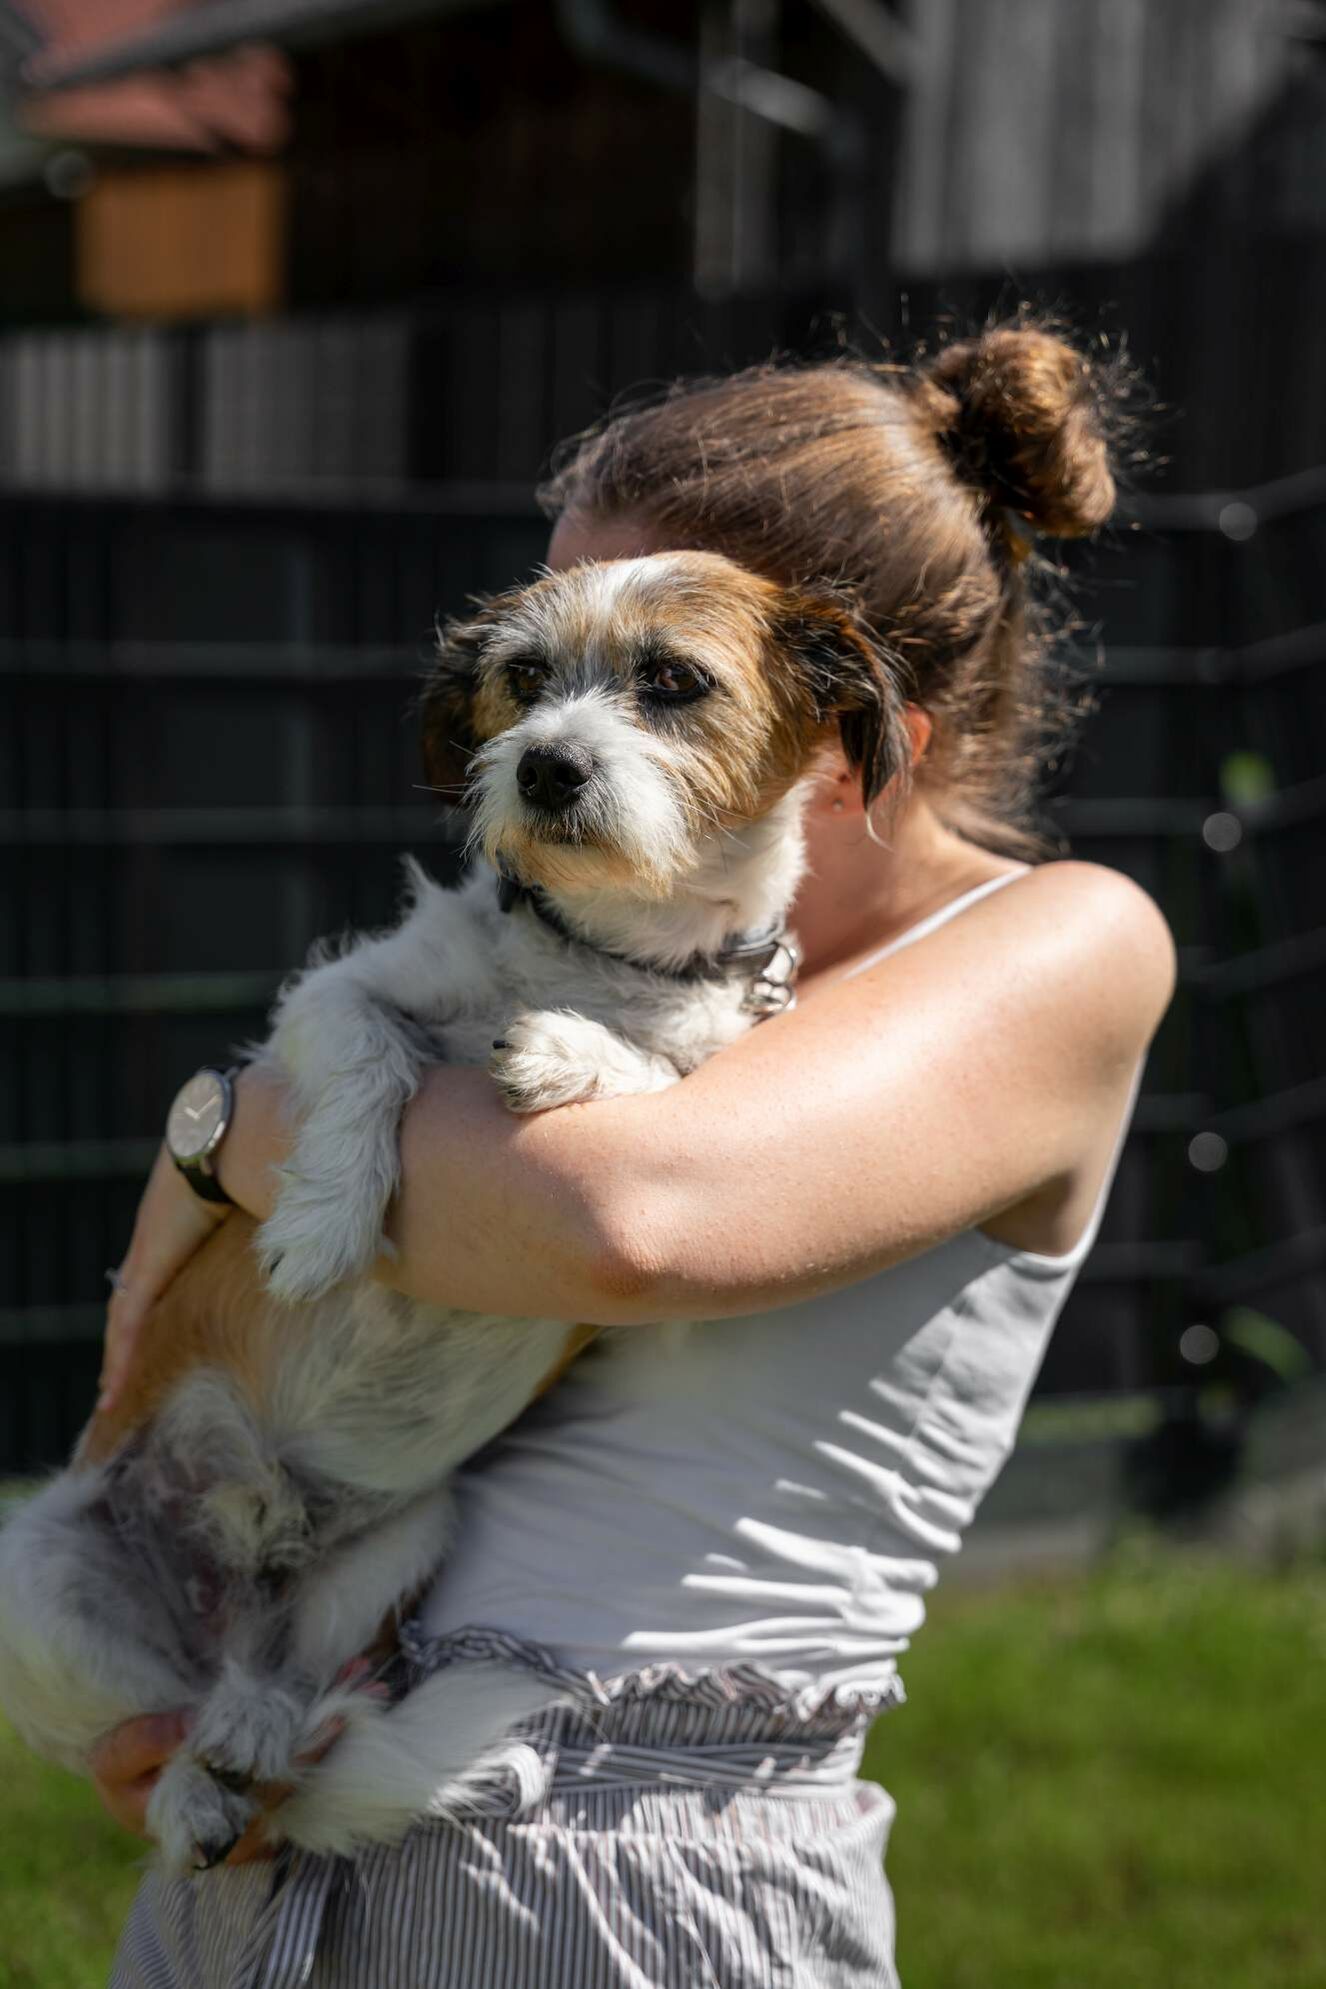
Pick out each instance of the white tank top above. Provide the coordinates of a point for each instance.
(780, 1489)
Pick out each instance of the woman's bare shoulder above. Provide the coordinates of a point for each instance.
(1075, 953)
(1095, 883)
(1125, 942)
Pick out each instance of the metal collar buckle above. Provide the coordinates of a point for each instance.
(773, 988)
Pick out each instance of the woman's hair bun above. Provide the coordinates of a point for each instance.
(1025, 418)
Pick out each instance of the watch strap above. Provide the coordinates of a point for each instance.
(203, 1182)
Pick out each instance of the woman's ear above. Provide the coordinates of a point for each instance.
(852, 677)
(446, 706)
(920, 731)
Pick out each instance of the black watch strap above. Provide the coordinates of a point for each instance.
(203, 1182)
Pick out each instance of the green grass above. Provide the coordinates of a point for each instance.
(67, 1874)
(1118, 1780)
(1109, 1782)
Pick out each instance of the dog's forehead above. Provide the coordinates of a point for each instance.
(609, 606)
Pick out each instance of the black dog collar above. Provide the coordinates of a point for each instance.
(768, 960)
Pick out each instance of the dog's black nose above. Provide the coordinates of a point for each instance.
(551, 776)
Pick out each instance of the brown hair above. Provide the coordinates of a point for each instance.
(909, 489)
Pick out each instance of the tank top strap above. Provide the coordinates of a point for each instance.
(931, 924)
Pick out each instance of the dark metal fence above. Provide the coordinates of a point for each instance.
(206, 765)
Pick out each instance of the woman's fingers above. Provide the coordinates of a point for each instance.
(172, 1222)
(256, 1843)
(322, 1743)
(124, 1322)
(137, 1746)
(126, 1762)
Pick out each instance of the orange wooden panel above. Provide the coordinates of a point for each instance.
(183, 242)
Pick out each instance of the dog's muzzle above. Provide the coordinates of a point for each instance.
(551, 777)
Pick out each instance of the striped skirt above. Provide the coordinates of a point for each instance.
(654, 1832)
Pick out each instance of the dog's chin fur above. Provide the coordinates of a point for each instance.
(274, 1480)
(572, 864)
(741, 880)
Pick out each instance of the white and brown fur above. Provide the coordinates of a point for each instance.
(274, 1481)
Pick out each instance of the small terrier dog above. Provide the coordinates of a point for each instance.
(636, 739)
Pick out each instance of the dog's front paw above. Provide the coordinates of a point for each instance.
(555, 1057)
(246, 1730)
(316, 1237)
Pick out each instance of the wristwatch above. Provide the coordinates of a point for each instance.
(196, 1125)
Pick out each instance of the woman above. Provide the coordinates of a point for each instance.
(874, 1205)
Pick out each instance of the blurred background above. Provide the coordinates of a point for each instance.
(295, 297)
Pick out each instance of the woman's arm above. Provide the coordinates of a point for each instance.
(958, 1079)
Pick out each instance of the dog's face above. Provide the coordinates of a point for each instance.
(614, 720)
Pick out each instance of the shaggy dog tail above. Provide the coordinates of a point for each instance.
(422, 1758)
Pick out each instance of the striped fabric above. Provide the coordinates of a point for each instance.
(655, 1832)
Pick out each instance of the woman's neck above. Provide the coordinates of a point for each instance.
(858, 894)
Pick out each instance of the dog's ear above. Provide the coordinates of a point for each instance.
(446, 704)
(852, 677)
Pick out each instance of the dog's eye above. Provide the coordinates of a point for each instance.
(673, 681)
(526, 677)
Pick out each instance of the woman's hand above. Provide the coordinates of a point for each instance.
(127, 1761)
(126, 1765)
(172, 1222)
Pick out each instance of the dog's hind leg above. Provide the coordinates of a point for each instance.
(264, 1711)
(345, 1600)
(194, 1818)
(391, 1769)
(84, 1639)
(243, 1734)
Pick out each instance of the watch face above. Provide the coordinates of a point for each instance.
(197, 1116)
